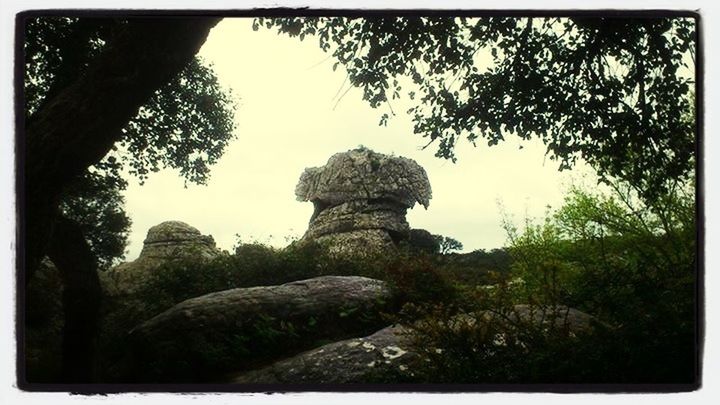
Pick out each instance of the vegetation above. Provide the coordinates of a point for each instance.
(628, 258)
(540, 77)
(629, 264)
(185, 125)
(131, 84)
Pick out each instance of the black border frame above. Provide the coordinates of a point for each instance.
(102, 388)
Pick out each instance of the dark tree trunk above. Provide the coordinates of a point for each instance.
(74, 129)
(77, 264)
(79, 124)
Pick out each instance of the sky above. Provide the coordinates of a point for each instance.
(288, 118)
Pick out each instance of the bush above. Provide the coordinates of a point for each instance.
(413, 277)
(631, 263)
(501, 346)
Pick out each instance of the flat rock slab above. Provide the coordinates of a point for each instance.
(247, 327)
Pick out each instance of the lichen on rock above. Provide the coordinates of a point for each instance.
(361, 198)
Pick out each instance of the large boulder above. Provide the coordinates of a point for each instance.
(361, 198)
(389, 352)
(167, 241)
(348, 361)
(246, 327)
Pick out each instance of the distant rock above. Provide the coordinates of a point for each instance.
(244, 327)
(167, 241)
(361, 198)
(173, 239)
(348, 361)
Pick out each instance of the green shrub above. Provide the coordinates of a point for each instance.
(628, 262)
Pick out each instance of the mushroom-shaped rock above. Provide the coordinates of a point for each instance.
(361, 174)
(165, 242)
(361, 198)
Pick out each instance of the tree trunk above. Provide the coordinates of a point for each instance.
(77, 264)
(80, 124)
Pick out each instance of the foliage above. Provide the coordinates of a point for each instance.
(423, 241)
(615, 241)
(629, 264)
(501, 346)
(96, 204)
(185, 125)
(412, 277)
(447, 244)
(613, 91)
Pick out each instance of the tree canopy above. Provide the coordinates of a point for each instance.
(186, 125)
(616, 92)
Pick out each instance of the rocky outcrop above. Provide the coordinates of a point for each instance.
(389, 352)
(348, 361)
(361, 198)
(173, 239)
(167, 241)
(244, 327)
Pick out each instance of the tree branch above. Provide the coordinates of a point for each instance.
(78, 126)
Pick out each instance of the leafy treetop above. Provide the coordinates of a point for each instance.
(616, 92)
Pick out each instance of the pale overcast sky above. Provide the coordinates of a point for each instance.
(287, 121)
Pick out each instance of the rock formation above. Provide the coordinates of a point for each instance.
(173, 239)
(361, 198)
(235, 329)
(388, 351)
(348, 361)
(167, 241)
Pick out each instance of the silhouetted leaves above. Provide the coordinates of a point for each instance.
(186, 125)
(616, 92)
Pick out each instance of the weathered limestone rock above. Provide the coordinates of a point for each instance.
(172, 239)
(347, 361)
(389, 351)
(361, 198)
(167, 241)
(246, 327)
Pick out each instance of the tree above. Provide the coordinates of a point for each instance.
(612, 91)
(86, 80)
(97, 207)
(185, 125)
(447, 244)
